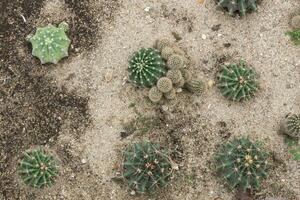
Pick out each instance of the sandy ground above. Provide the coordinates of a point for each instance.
(200, 123)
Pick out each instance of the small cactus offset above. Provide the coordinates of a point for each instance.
(164, 84)
(291, 126)
(146, 167)
(50, 44)
(237, 82)
(176, 61)
(195, 86)
(242, 163)
(238, 6)
(38, 169)
(146, 67)
(154, 94)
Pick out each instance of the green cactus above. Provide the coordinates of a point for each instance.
(146, 166)
(195, 86)
(242, 163)
(50, 44)
(291, 126)
(38, 169)
(238, 6)
(237, 82)
(146, 67)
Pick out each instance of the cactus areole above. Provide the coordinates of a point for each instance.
(50, 44)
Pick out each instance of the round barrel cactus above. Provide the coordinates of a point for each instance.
(238, 6)
(237, 82)
(146, 166)
(38, 169)
(291, 126)
(242, 163)
(146, 67)
(50, 44)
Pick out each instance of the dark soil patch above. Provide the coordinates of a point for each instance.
(32, 109)
(84, 27)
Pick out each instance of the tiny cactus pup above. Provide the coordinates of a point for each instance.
(238, 6)
(146, 67)
(50, 44)
(38, 169)
(146, 166)
(164, 84)
(155, 95)
(242, 163)
(291, 126)
(175, 75)
(237, 82)
(162, 43)
(176, 61)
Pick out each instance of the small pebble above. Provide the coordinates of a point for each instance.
(204, 36)
(83, 161)
(147, 9)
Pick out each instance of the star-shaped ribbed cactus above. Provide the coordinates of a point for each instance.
(146, 67)
(38, 169)
(146, 166)
(50, 44)
(240, 6)
(243, 164)
(237, 82)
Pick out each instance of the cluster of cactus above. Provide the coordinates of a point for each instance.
(238, 6)
(38, 169)
(50, 44)
(177, 75)
(290, 126)
(237, 82)
(146, 66)
(242, 163)
(146, 166)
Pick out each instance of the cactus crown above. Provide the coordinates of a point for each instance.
(242, 164)
(293, 125)
(146, 67)
(240, 6)
(146, 166)
(237, 82)
(50, 44)
(38, 169)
